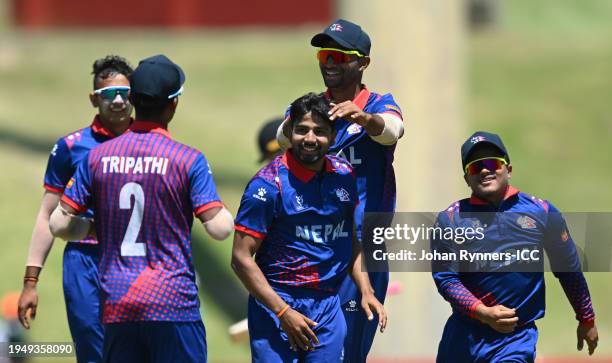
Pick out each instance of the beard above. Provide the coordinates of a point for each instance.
(310, 156)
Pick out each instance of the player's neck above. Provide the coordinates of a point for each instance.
(345, 93)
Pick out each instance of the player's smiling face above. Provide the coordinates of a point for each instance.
(310, 140)
(343, 74)
(115, 111)
(489, 184)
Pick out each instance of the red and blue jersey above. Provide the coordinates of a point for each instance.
(305, 220)
(522, 222)
(145, 188)
(371, 161)
(66, 155)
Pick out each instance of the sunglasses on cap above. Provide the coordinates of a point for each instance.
(476, 166)
(109, 93)
(338, 55)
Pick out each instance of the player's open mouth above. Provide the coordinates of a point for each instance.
(487, 179)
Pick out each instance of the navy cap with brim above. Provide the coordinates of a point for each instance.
(478, 139)
(350, 36)
(157, 77)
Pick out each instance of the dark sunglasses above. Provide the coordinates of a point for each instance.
(337, 55)
(476, 166)
(110, 93)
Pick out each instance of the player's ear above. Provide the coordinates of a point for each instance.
(465, 177)
(509, 171)
(93, 99)
(365, 62)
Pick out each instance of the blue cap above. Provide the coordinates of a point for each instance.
(348, 35)
(479, 138)
(157, 77)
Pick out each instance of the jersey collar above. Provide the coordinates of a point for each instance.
(361, 99)
(510, 192)
(150, 126)
(98, 128)
(300, 171)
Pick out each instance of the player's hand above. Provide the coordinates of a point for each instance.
(498, 317)
(28, 302)
(297, 328)
(588, 334)
(349, 111)
(370, 303)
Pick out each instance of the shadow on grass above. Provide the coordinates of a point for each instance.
(24, 141)
(217, 280)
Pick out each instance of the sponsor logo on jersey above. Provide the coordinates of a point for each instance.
(353, 129)
(335, 27)
(343, 195)
(352, 306)
(321, 233)
(261, 192)
(526, 222)
(299, 202)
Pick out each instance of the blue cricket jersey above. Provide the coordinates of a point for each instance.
(305, 220)
(66, 155)
(522, 222)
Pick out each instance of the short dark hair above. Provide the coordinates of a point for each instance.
(315, 103)
(109, 66)
(148, 107)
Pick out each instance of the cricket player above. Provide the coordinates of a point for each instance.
(495, 304)
(80, 262)
(368, 126)
(296, 216)
(145, 188)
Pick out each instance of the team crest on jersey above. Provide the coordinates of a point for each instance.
(352, 306)
(353, 129)
(343, 195)
(477, 139)
(526, 222)
(335, 27)
(261, 194)
(299, 202)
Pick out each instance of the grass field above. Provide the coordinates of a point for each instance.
(542, 80)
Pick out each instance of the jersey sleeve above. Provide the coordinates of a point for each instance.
(386, 104)
(203, 191)
(78, 189)
(565, 264)
(258, 208)
(59, 168)
(446, 274)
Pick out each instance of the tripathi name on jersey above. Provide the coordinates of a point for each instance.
(134, 165)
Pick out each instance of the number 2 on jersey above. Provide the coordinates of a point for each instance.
(129, 245)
